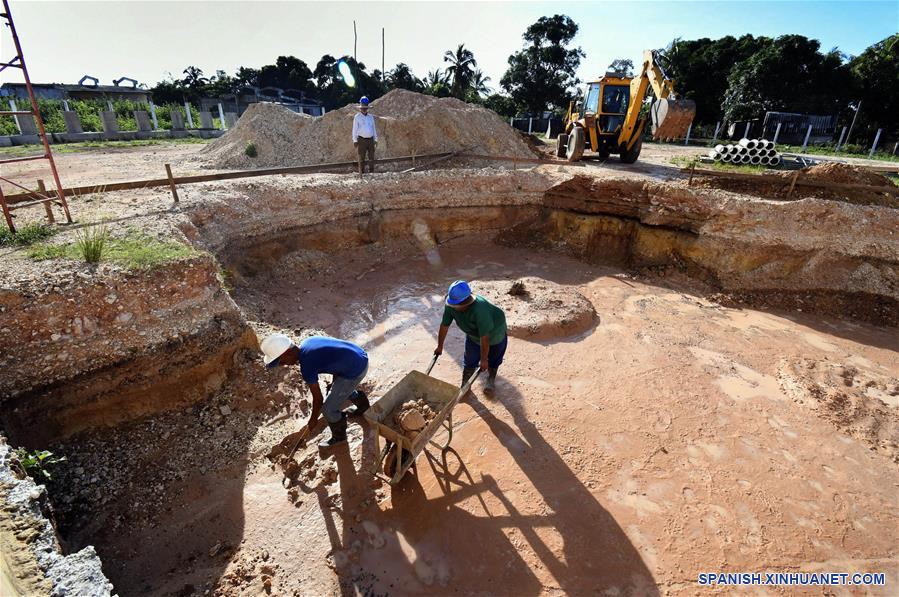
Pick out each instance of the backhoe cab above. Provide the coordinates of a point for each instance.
(606, 117)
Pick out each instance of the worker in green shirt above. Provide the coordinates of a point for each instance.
(484, 325)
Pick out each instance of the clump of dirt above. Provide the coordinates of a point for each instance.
(412, 416)
(407, 122)
(861, 403)
(777, 185)
(538, 309)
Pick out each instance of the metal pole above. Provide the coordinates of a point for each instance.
(715, 136)
(382, 55)
(530, 124)
(808, 134)
(222, 117)
(852, 124)
(153, 116)
(746, 134)
(190, 119)
(840, 142)
(355, 39)
(874, 146)
(777, 133)
(895, 147)
(689, 129)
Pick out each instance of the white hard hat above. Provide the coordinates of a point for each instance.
(273, 346)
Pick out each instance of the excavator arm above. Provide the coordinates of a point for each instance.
(671, 117)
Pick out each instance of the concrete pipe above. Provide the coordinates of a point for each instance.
(729, 148)
(744, 159)
(756, 160)
(774, 161)
(764, 144)
(727, 158)
(717, 157)
(744, 142)
(713, 154)
(752, 152)
(719, 148)
(764, 161)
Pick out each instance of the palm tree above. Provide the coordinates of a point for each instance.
(461, 69)
(479, 83)
(436, 77)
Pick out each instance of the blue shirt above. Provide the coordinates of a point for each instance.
(321, 354)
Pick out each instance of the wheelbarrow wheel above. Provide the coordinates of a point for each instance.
(391, 459)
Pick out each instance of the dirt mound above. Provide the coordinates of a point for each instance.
(860, 403)
(537, 309)
(777, 185)
(407, 123)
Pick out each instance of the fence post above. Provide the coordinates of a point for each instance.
(874, 146)
(222, 116)
(530, 125)
(776, 133)
(840, 142)
(895, 147)
(109, 105)
(190, 119)
(687, 139)
(512, 122)
(746, 134)
(65, 105)
(715, 136)
(808, 134)
(153, 116)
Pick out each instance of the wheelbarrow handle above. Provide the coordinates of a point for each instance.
(431, 366)
(464, 389)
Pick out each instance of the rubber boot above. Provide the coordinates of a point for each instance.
(490, 386)
(338, 434)
(467, 372)
(360, 400)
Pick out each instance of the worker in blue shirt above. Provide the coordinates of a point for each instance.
(346, 362)
(484, 325)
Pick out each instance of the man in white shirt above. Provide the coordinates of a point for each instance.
(365, 136)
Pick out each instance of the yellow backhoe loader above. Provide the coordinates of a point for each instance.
(606, 118)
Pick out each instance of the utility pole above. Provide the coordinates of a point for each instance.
(382, 55)
(857, 110)
(355, 38)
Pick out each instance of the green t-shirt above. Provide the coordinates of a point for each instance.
(482, 318)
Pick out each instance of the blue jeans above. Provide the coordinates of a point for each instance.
(494, 357)
(341, 390)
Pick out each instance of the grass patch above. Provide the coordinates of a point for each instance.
(250, 150)
(687, 162)
(26, 235)
(26, 150)
(135, 251)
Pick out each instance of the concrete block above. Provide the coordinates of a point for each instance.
(73, 123)
(25, 139)
(143, 121)
(230, 119)
(206, 120)
(177, 120)
(110, 124)
(5, 141)
(26, 125)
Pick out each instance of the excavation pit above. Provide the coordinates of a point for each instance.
(648, 435)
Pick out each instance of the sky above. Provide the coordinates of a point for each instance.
(146, 40)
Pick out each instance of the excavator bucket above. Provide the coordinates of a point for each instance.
(671, 118)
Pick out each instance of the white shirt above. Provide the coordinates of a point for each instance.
(364, 126)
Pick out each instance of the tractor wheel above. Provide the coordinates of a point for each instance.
(629, 157)
(576, 141)
(604, 153)
(561, 145)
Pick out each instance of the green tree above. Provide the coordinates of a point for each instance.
(876, 74)
(288, 72)
(437, 83)
(461, 70)
(622, 67)
(790, 74)
(501, 104)
(401, 77)
(479, 83)
(540, 75)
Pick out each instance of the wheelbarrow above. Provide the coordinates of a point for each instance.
(400, 450)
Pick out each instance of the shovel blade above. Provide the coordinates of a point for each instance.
(671, 119)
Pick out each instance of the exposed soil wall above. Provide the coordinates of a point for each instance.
(97, 346)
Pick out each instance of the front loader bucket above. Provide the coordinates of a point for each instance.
(671, 118)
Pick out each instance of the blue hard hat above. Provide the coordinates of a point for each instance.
(459, 291)
(364, 100)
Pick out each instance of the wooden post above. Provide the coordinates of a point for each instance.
(808, 134)
(692, 170)
(168, 171)
(6, 213)
(874, 145)
(840, 142)
(47, 207)
(793, 183)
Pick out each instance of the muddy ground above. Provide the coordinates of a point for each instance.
(674, 436)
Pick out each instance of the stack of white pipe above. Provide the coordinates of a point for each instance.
(748, 151)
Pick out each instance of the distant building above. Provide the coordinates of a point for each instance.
(88, 88)
(289, 98)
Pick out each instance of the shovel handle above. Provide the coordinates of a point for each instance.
(431, 366)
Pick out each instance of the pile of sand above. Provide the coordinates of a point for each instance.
(842, 174)
(407, 123)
